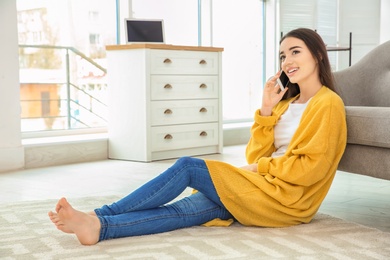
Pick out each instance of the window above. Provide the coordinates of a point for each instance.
(48, 66)
(45, 104)
(334, 20)
(93, 16)
(180, 18)
(89, 25)
(94, 39)
(319, 15)
(238, 27)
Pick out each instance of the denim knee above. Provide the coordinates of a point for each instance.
(186, 160)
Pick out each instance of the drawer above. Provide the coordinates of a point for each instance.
(184, 112)
(184, 62)
(183, 87)
(184, 136)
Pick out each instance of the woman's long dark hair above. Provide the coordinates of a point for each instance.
(317, 48)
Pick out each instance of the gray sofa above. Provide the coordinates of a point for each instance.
(365, 89)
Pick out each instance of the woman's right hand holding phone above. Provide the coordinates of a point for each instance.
(272, 94)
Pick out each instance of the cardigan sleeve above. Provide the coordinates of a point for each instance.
(261, 142)
(317, 144)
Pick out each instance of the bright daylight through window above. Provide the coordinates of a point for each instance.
(62, 54)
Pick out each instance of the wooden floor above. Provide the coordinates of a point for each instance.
(352, 197)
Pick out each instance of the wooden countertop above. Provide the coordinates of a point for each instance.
(160, 47)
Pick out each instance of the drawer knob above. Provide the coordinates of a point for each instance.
(202, 62)
(203, 110)
(168, 137)
(168, 111)
(203, 133)
(203, 85)
(168, 86)
(167, 61)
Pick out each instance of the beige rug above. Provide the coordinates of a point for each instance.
(27, 233)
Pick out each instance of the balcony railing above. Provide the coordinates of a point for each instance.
(61, 89)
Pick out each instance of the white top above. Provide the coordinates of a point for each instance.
(286, 127)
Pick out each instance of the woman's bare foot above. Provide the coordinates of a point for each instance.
(60, 225)
(85, 226)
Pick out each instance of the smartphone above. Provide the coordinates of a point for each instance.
(282, 81)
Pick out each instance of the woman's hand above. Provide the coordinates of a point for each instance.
(271, 95)
(250, 167)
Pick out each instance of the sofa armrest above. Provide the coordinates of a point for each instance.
(368, 126)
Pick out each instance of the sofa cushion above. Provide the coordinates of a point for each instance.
(368, 125)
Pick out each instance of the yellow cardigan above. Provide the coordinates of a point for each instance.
(286, 190)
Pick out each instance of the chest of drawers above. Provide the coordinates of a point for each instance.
(165, 101)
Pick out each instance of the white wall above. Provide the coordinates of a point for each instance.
(11, 150)
(385, 21)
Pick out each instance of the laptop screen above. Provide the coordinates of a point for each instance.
(144, 31)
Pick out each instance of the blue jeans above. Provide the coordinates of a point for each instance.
(145, 211)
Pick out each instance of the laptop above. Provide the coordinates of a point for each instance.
(144, 31)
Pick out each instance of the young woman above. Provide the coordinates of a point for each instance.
(298, 138)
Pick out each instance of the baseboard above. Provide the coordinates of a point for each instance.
(59, 151)
(11, 158)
